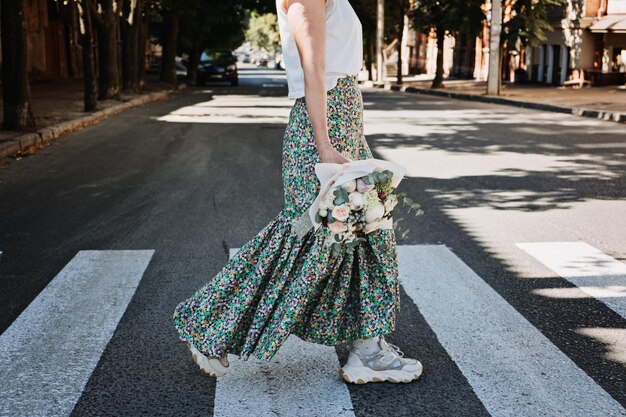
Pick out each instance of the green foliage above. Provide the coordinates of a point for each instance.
(341, 196)
(263, 31)
(527, 22)
(448, 16)
(366, 11)
(411, 205)
(204, 24)
(212, 24)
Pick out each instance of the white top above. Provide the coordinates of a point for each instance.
(344, 46)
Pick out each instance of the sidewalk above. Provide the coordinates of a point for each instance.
(58, 110)
(607, 103)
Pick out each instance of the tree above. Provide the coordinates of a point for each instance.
(90, 86)
(263, 31)
(105, 16)
(170, 42)
(133, 29)
(209, 25)
(366, 11)
(397, 10)
(394, 13)
(444, 18)
(17, 110)
(526, 22)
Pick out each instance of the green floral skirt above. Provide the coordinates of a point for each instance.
(279, 284)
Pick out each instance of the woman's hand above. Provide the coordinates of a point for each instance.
(332, 155)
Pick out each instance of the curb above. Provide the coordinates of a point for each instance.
(21, 143)
(611, 116)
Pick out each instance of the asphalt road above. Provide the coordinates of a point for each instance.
(529, 206)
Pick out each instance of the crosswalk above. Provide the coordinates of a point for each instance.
(591, 271)
(511, 366)
(51, 349)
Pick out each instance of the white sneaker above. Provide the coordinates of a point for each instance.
(212, 365)
(388, 364)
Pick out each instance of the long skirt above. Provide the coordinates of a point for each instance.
(280, 284)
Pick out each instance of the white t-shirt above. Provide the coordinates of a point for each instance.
(344, 46)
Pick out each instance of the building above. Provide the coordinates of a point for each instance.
(587, 40)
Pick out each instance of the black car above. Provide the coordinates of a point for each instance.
(218, 64)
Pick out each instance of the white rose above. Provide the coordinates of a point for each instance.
(374, 212)
(370, 227)
(323, 212)
(355, 200)
(362, 187)
(341, 212)
(337, 227)
(350, 186)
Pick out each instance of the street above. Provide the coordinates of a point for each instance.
(513, 280)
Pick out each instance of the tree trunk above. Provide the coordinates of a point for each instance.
(142, 30)
(89, 67)
(131, 48)
(17, 110)
(192, 67)
(168, 60)
(438, 80)
(108, 26)
(380, 32)
(400, 35)
(370, 58)
(127, 47)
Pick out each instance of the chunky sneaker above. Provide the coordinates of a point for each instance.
(388, 364)
(212, 365)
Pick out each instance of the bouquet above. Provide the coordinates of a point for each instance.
(355, 199)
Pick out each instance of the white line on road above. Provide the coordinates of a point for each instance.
(49, 352)
(302, 379)
(513, 368)
(591, 270)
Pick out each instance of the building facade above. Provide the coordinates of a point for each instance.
(588, 40)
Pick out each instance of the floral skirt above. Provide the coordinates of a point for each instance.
(279, 284)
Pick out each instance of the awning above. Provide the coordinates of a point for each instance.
(615, 23)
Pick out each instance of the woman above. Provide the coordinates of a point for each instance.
(279, 284)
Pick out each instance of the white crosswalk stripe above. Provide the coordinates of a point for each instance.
(51, 349)
(48, 354)
(592, 271)
(513, 368)
(302, 376)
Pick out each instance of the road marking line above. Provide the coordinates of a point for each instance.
(302, 378)
(591, 270)
(49, 352)
(513, 368)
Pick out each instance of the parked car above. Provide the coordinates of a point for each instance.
(218, 64)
